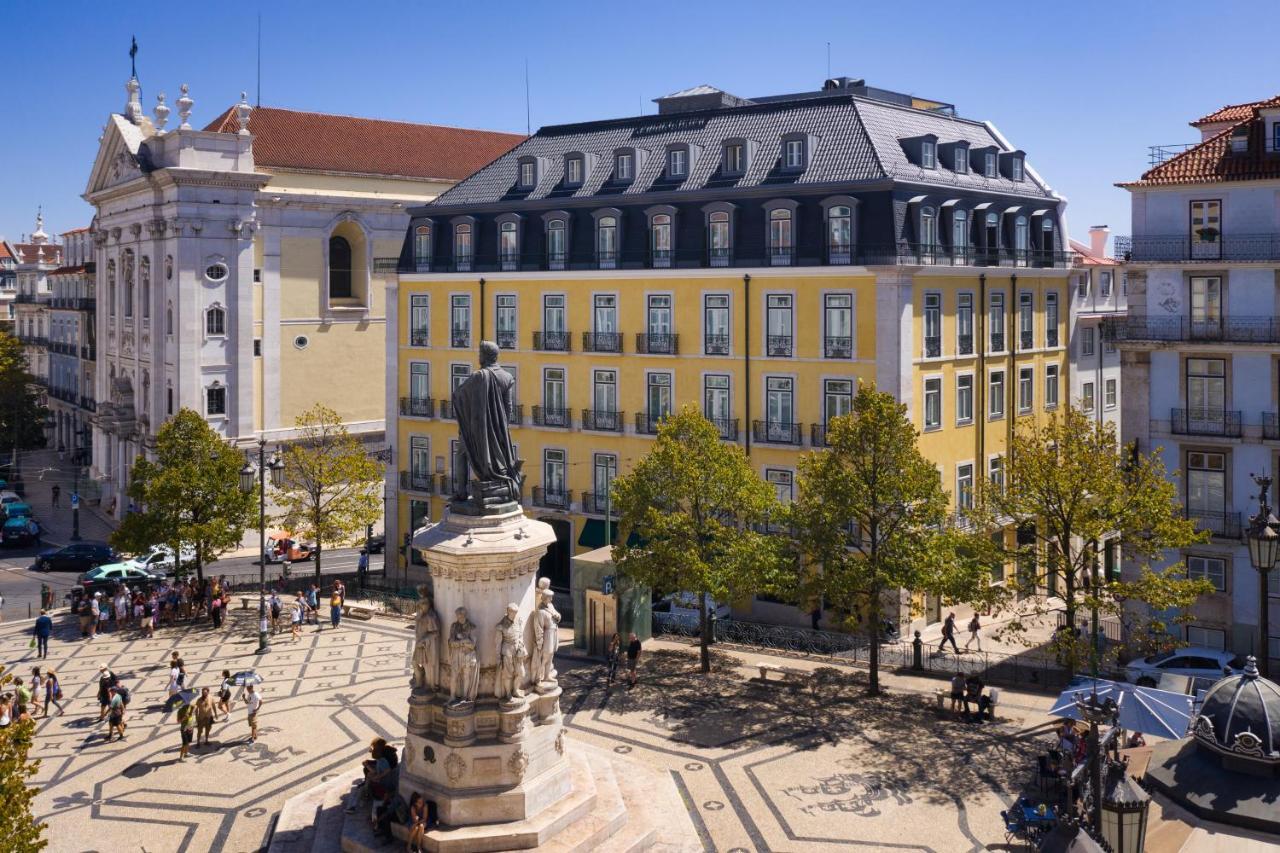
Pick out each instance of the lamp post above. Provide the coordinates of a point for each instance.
(1096, 711)
(1264, 545)
(274, 469)
(1124, 811)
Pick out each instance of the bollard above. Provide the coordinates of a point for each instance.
(917, 652)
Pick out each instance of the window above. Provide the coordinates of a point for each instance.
(556, 244)
(604, 322)
(144, 278)
(995, 472)
(659, 324)
(422, 247)
(460, 320)
(215, 397)
(838, 320)
(339, 268)
(604, 471)
(1051, 386)
(1206, 389)
(733, 161)
(793, 154)
(1206, 221)
(780, 237)
(553, 397)
(1026, 320)
(1021, 240)
(837, 399)
(1082, 286)
(718, 239)
(1026, 389)
(1051, 319)
(932, 325)
(553, 471)
(782, 481)
(419, 381)
(1109, 394)
(928, 229)
(780, 404)
(604, 395)
(1210, 638)
(964, 398)
(169, 399)
(990, 168)
(168, 319)
(961, 160)
(1104, 283)
(959, 235)
(660, 240)
(1206, 304)
(1086, 397)
(839, 234)
(995, 322)
(257, 347)
(215, 322)
(715, 324)
(462, 247)
(508, 245)
(622, 166)
(677, 163)
(658, 397)
(933, 403)
(214, 272)
(717, 404)
(553, 314)
(778, 325)
(458, 374)
(128, 283)
(607, 242)
(964, 486)
(1206, 486)
(573, 171)
(928, 154)
(505, 321)
(419, 320)
(528, 173)
(1086, 340)
(1015, 168)
(964, 324)
(995, 395)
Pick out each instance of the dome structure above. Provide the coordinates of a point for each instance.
(1240, 722)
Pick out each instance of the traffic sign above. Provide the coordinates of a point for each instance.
(608, 584)
(75, 501)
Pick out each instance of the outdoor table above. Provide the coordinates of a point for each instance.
(1031, 814)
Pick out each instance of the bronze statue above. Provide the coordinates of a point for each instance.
(490, 474)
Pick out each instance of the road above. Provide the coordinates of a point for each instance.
(20, 582)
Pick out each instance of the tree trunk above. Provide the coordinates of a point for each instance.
(873, 616)
(704, 631)
(1069, 581)
(317, 557)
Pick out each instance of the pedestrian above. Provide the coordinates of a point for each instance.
(187, 726)
(56, 491)
(37, 691)
(362, 563)
(335, 604)
(949, 633)
(174, 687)
(252, 702)
(42, 631)
(34, 530)
(417, 823)
(106, 681)
(95, 611)
(611, 655)
(815, 616)
(204, 716)
(115, 723)
(633, 658)
(957, 691)
(150, 614)
(297, 614)
(215, 611)
(313, 604)
(52, 692)
(46, 597)
(104, 612)
(975, 625)
(224, 693)
(25, 695)
(122, 607)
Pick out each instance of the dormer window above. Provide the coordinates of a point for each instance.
(528, 173)
(734, 162)
(678, 163)
(623, 166)
(574, 169)
(961, 165)
(793, 154)
(991, 168)
(1015, 168)
(422, 247)
(1240, 139)
(928, 154)
(509, 241)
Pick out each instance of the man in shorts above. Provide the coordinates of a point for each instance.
(252, 702)
(115, 720)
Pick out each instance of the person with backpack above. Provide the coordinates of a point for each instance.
(275, 613)
(52, 692)
(106, 681)
(215, 611)
(115, 723)
(975, 625)
(949, 633)
(177, 675)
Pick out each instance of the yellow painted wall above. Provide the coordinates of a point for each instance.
(355, 186)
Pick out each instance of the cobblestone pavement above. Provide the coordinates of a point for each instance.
(776, 767)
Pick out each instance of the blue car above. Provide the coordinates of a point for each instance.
(17, 531)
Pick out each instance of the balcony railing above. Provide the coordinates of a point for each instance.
(1223, 524)
(460, 337)
(446, 410)
(715, 344)
(417, 407)
(89, 353)
(1026, 340)
(603, 420)
(1051, 338)
(552, 499)
(63, 348)
(778, 346)
(551, 341)
(658, 344)
(727, 427)
(647, 423)
(1238, 329)
(775, 432)
(546, 417)
(838, 347)
(419, 338)
(818, 435)
(507, 339)
(964, 344)
(595, 503)
(997, 342)
(415, 481)
(840, 254)
(1194, 248)
(932, 347)
(602, 341)
(1270, 426)
(515, 414)
(1203, 421)
(25, 299)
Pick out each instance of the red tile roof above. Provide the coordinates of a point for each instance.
(1231, 112)
(1213, 161)
(4, 250)
(319, 142)
(29, 253)
(1088, 258)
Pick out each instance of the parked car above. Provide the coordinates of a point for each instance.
(684, 608)
(17, 509)
(7, 497)
(17, 531)
(377, 544)
(160, 558)
(118, 572)
(1190, 661)
(76, 557)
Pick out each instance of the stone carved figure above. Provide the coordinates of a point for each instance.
(482, 404)
(464, 667)
(546, 638)
(511, 654)
(426, 649)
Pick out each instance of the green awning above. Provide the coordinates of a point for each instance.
(592, 535)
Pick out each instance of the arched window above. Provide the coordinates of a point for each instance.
(556, 244)
(339, 268)
(144, 275)
(462, 247)
(660, 240)
(719, 239)
(781, 242)
(1021, 239)
(959, 235)
(422, 247)
(509, 245)
(215, 322)
(991, 236)
(168, 320)
(1046, 235)
(607, 242)
(839, 234)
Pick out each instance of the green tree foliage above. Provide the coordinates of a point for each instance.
(332, 487)
(18, 826)
(21, 415)
(695, 512)
(189, 494)
(871, 519)
(1070, 481)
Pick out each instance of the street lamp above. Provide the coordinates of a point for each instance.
(1264, 544)
(274, 469)
(1124, 811)
(77, 457)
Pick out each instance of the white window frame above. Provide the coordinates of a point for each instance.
(1051, 386)
(623, 163)
(1087, 346)
(1109, 394)
(1086, 397)
(964, 485)
(961, 165)
(991, 165)
(964, 411)
(1026, 390)
(793, 154)
(678, 163)
(995, 395)
(1198, 568)
(209, 389)
(932, 388)
(928, 154)
(1015, 168)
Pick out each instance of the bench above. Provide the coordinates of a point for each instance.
(786, 672)
(244, 601)
(362, 613)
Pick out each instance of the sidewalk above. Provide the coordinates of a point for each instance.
(41, 471)
(1038, 632)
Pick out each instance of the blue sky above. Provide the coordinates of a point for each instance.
(1084, 88)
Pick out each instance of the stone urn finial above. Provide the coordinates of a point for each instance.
(242, 113)
(184, 108)
(161, 112)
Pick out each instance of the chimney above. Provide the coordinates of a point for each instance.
(1098, 235)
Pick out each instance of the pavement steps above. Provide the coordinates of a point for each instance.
(307, 823)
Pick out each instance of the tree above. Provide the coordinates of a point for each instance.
(871, 519)
(189, 495)
(1070, 482)
(691, 518)
(21, 415)
(332, 487)
(18, 827)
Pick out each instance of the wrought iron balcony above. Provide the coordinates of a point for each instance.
(515, 414)
(1270, 426)
(446, 410)
(418, 407)
(547, 417)
(781, 256)
(658, 344)
(775, 432)
(551, 341)
(606, 259)
(89, 353)
(1051, 337)
(419, 338)
(840, 254)
(778, 346)
(838, 347)
(460, 337)
(932, 347)
(964, 344)
(507, 339)
(997, 342)
(1204, 421)
(596, 503)
(602, 419)
(727, 427)
(719, 257)
(416, 481)
(88, 404)
(25, 299)
(912, 254)
(660, 258)
(1237, 329)
(1026, 340)
(1208, 246)
(818, 435)
(602, 341)
(647, 423)
(561, 499)
(715, 344)
(1222, 524)
(389, 264)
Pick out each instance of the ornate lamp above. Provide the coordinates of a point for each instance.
(247, 477)
(1264, 544)
(276, 467)
(1124, 811)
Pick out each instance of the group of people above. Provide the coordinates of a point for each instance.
(614, 657)
(417, 815)
(949, 633)
(305, 609)
(31, 698)
(172, 600)
(967, 695)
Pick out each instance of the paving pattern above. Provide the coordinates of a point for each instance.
(774, 767)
